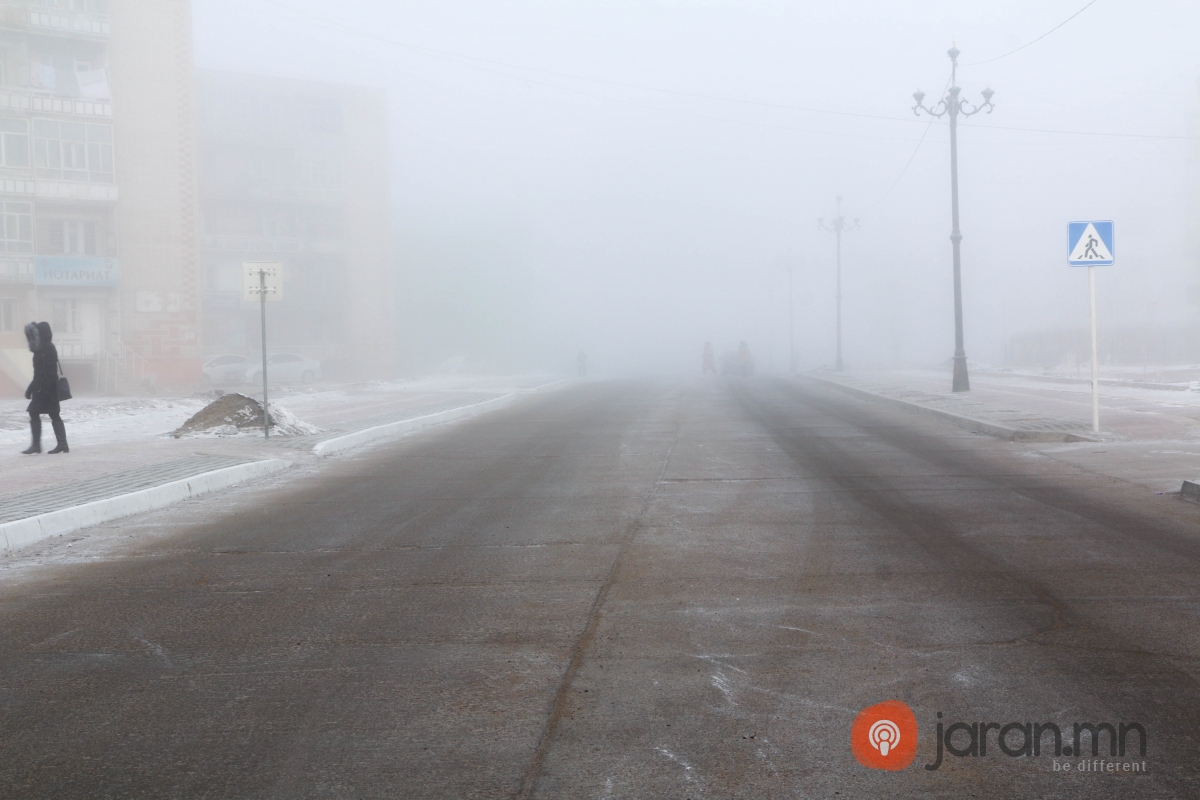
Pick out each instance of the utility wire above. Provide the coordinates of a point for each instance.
(1038, 39)
(908, 163)
(445, 54)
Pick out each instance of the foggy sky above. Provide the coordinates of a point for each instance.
(558, 184)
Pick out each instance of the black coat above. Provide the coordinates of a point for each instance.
(43, 392)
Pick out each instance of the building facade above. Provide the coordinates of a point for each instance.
(133, 188)
(296, 172)
(97, 189)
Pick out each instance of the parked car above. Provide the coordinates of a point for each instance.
(286, 368)
(224, 370)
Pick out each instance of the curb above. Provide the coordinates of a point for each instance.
(1168, 387)
(970, 423)
(22, 532)
(393, 430)
(1190, 491)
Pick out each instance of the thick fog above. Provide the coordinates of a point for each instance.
(634, 177)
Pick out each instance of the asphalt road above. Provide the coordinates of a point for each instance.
(620, 590)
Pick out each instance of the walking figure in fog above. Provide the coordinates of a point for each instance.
(745, 361)
(710, 360)
(1090, 251)
(42, 393)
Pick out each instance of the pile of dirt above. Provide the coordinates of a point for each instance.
(234, 413)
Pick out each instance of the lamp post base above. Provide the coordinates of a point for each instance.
(961, 382)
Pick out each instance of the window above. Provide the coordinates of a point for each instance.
(73, 151)
(16, 228)
(14, 143)
(8, 316)
(65, 314)
(73, 237)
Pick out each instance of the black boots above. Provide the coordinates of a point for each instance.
(60, 435)
(35, 429)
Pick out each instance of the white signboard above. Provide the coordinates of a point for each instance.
(259, 274)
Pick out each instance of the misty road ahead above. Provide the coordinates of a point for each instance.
(622, 590)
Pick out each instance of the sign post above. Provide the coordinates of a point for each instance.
(263, 279)
(1090, 244)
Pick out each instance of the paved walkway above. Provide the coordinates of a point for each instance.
(1148, 436)
(1004, 411)
(19, 505)
(122, 445)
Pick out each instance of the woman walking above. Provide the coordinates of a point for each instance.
(42, 394)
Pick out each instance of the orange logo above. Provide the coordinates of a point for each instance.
(884, 736)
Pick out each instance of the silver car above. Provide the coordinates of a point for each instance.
(226, 370)
(286, 368)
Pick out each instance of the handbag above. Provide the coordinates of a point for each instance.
(64, 386)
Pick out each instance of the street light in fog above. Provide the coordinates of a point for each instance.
(837, 226)
(952, 105)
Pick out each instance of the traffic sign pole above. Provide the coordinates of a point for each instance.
(264, 279)
(1095, 365)
(1091, 244)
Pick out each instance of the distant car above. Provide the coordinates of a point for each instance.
(286, 368)
(224, 370)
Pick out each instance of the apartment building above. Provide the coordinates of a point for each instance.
(296, 172)
(101, 202)
(97, 189)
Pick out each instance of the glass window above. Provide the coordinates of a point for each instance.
(73, 151)
(16, 228)
(14, 143)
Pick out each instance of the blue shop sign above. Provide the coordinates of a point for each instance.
(76, 271)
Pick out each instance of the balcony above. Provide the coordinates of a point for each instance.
(16, 270)
(21, 186)
(25, 100)
(68, 23)
(75, 190)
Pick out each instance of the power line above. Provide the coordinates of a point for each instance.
(326, 23)
(1038, 39)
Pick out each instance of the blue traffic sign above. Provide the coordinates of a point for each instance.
(1090, 244)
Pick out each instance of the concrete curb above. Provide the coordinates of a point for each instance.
(393, 430)
(22, 532)
(1167, 387)
(970, 423)
(1190, 491)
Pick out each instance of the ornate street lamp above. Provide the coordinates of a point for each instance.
(837, 225)
(952, 105)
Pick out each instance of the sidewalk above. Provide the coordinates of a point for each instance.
(120, 447)
(1147, 436)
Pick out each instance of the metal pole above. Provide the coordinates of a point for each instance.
(961, 382)
(791, 324)
(262, 302)
(1095, 364)
(837, 227)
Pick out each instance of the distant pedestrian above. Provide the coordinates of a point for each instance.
(42, 393)
(710, 360)
(581, 362)
(745, 361)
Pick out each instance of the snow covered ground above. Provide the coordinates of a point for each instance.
(96, 420)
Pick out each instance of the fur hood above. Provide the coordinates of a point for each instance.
(38, 335)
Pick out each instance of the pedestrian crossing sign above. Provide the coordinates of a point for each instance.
(1090, 244)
